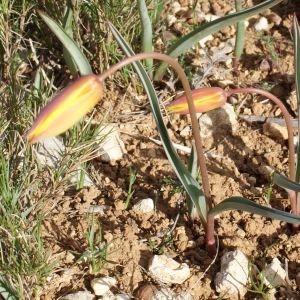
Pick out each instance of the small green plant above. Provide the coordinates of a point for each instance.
(177, 186)
(132, 178)
(269, 188)
(257, 275)
(160, 246)
(97, 254)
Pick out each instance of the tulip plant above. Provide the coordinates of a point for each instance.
(75, 101)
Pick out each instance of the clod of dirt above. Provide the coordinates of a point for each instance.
(234, 274)
(146, 291)
(167, 270)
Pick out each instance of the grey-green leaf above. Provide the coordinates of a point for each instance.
(296, 32)
(187, 41)
(240, 203)
(70, 45)
(286, 183)
(190, 184)
(67, 25)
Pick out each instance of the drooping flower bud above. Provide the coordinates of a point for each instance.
(67, 108)
(205, 99)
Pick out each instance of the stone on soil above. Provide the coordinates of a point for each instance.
(167, 270)
(49, 154)
(275, 130)
(110, 296)
(143, 206)
(265, 170)
(112, 148)
(274, 274)
(261, 24)
(233, 275)
(102, 285)
(82, 295)
(168, 294)
(218, 121)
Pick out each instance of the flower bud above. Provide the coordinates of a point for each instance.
(67, 108)
(205, 99)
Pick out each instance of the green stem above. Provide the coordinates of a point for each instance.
(239, 38)
(188, 93)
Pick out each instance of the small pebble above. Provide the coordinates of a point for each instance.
(261, 24)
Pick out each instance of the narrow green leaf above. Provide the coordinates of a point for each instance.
(187, 41)
(71, 47)
(296, 32)
(286, 183)
(67, 25)
(192, 167)
(6, 289)
(190, 184)
(158, 9)
(146, 35)
(240, 203)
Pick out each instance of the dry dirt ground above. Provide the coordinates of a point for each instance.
(245, 149)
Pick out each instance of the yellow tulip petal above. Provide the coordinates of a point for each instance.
(66, 109)
(205, 99)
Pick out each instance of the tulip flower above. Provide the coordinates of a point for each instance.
(205, 99)
(67, 108)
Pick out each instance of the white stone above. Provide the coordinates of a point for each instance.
(185, 131)
(275, 130)
(261, 24)
(49, 154)
(82, 295)
(167, 270)
(274, 274)
(217, 120)
(102, 285)
(176, 7)
(167, 294)
(110, 296)
(265, 170)
(144, 206)
(171, 19)
(97, 209)
(233, 275)
(112, 148)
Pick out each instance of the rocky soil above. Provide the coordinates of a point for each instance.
(244, 154)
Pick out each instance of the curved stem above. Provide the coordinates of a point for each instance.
(191, 105)
(287, 120)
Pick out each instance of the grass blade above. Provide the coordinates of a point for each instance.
(240, 203)
(69, 44)
(190, 184)
(212, 27)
